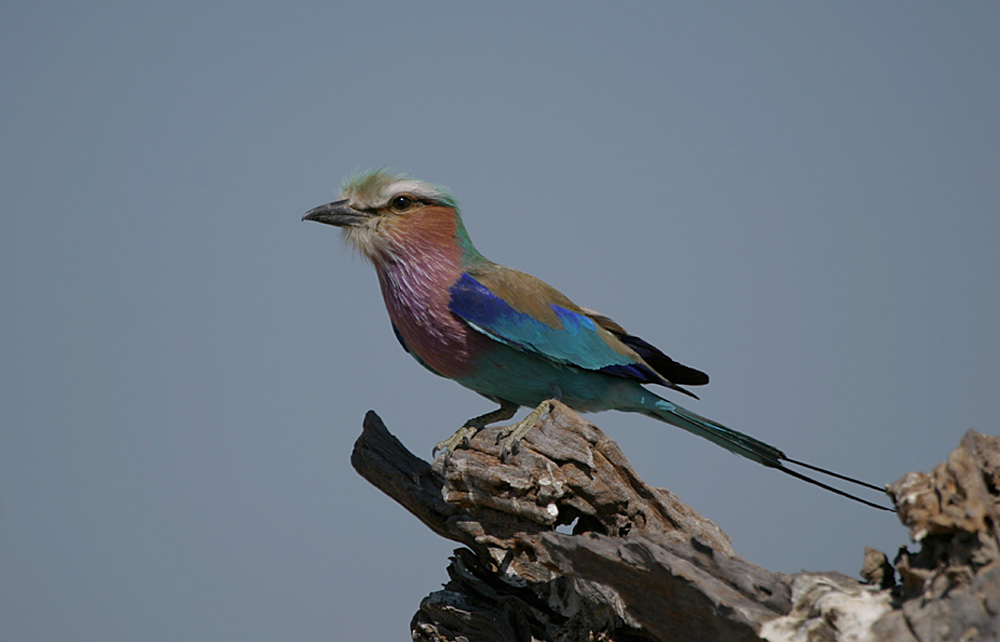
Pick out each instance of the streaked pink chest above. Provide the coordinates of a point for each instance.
(416, 296)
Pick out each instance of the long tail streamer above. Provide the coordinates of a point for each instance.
(753, 449)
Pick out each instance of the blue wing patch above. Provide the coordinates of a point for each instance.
(576, 341)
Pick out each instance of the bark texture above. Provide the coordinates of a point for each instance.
(565, 542)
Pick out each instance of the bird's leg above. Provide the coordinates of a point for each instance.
(510, 436)
(471, 427)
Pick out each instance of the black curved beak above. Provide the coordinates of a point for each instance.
(338, 213)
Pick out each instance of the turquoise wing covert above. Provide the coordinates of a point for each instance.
(577, 341)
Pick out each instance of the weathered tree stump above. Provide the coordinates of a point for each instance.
(632, 563)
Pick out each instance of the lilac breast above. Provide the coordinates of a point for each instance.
(416, 296)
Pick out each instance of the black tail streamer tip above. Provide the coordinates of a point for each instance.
(837, 491)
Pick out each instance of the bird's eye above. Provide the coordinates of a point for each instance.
(402, 203)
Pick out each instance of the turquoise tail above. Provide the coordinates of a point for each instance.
(732, 440)
(743, 445)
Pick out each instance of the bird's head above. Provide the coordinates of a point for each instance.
(387, 216)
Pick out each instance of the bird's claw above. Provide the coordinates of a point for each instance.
(509, 440)
(509, 437)
(459, 440)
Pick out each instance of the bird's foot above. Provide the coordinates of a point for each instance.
(459, 440)
(509, 437)
(462, 436)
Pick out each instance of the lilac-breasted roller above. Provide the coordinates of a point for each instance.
(505, 334)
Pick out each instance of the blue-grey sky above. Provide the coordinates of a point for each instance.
(799, 199)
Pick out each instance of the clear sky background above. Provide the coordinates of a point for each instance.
(799, 199)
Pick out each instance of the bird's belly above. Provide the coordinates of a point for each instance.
(506, 373)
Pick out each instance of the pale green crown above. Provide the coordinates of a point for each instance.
(375, 188)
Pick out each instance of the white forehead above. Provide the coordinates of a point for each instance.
(376, 190)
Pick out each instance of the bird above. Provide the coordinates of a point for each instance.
(508, 335)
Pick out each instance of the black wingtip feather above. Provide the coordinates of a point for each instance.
(666, 367)
(685, 391)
